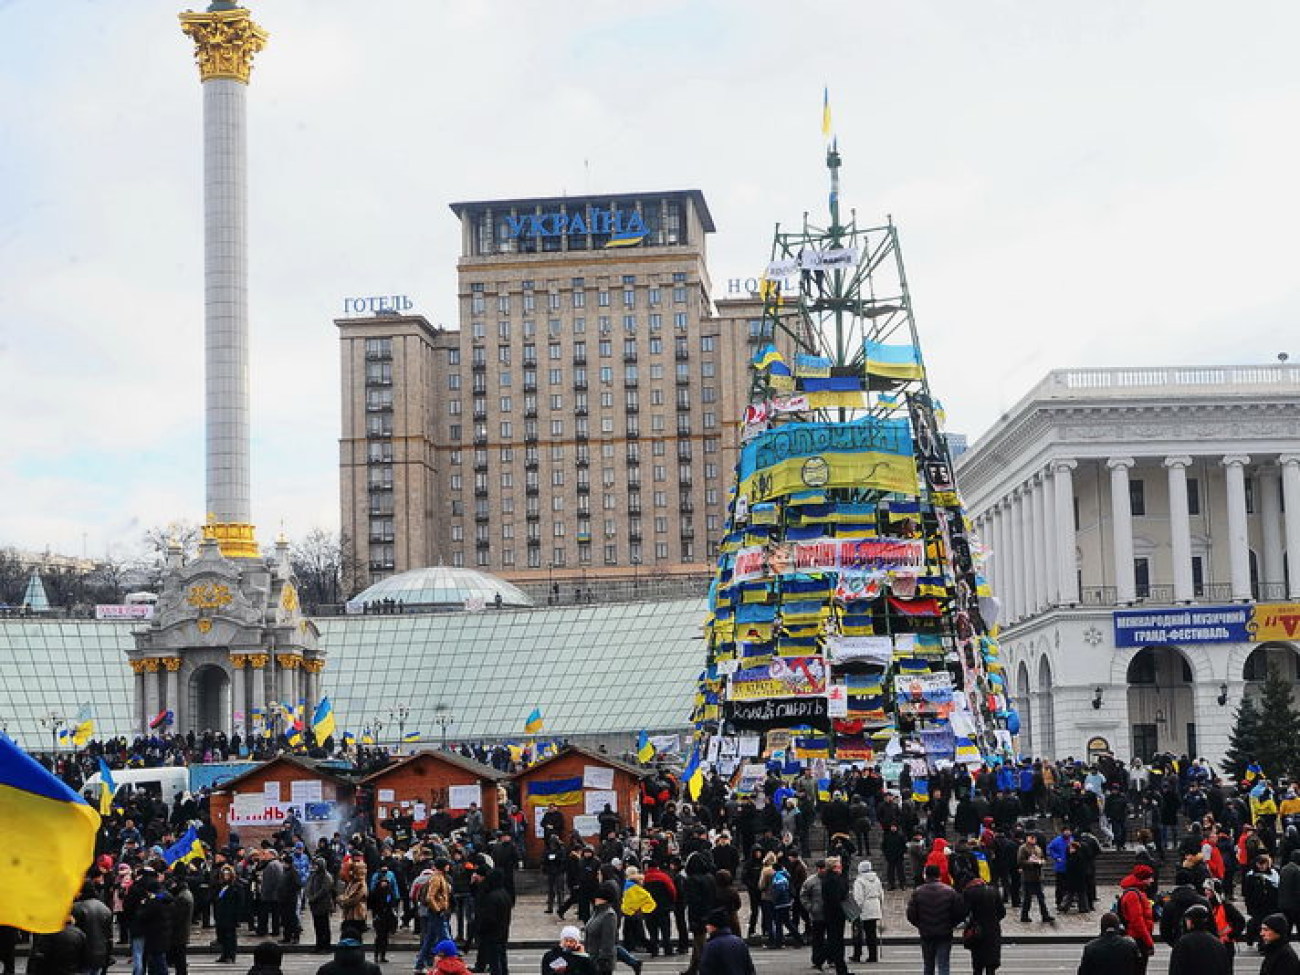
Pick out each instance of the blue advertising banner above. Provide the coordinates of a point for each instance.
(1192, 624)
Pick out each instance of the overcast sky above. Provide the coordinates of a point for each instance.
(1100, 183)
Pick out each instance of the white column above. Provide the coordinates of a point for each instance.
(1038, 541)
(1006, 565)
(257, 678)
(1051, 561)
(1234, 471)
(1121, 524)
(288, 687)
(1290, 464)
(1180, 528)
(1270, 523)
(173, 679)
(1020, 529)
(141, 705)
(998, 542)
(151, 706)
(239, 698)
(1067, 575)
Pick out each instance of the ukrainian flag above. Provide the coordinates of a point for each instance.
(826, 113)
(693, 774)
(411, 736)
(295, 737)
(186, 848)
(49, 838)
(322, 722)
(645, 751)
(349, 739)
(557, 792)
(893, 361)
(768, 355)
(534, 724)
(107, 788)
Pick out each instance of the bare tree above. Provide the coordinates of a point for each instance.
(157, 539)
(319, 561)
(13, 577)
(107, 581)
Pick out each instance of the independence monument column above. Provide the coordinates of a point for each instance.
(225, 40)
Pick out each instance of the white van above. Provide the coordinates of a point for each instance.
(165, 781)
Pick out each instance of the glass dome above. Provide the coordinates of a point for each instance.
(443, 587)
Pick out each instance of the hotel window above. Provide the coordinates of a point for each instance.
(606, 374)
(579, 326)
(458, 558)
(530, 329)
(661, 550)
(557, 401)
(602, 325)
(553, 301)
(709, 394)
(507, 479)
(606, 348)
(629, 298)
(656, 394)
(453, 357)
(453, 380)
(602, 299)
(710, 420)
(580, 299)
(557, 529)
(557, 428)
(555, 350)
(654, 297)
(554, 327)
(506, 455)
(656, 322)
(706, 343)
(629, 323)
(657, 422)
(661, 525)
(479, 330)
(506, 429)
(530, 302)
(679, 321)
(457, 481)
(503, 331)
(708, 369)
(504, 379)
(611, 554)
(606, 399)
(453, 431)
(477, 302)
(505, 404)
(555, 376)
(679, 296)
(503, 304)
(508, 531)
(383, 349)
(606, 424)
(453, 407)
(661, 499)
(503, 355)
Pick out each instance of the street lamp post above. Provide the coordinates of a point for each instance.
(54, 721)
(399, 713)
(442, 718)
(378, 725)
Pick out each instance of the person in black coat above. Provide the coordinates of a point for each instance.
(153, 923)
(494, 909)
(984, 910)
(724, 953)
(1183, 897)
(61, 953)
(1114, 953)
(227, 908)
(1275, 946)
(349, 959)
(835, 891)
(1199, 951)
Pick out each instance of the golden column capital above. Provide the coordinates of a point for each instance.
(258, 660)
(172, 664)
(239, 660)
(288, 661)
(138, 666)
(224, 42)
(149, 665)
(313, 666)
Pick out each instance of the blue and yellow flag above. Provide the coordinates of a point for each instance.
(645, 750)
(49, 839)
(893, 361)
(826, 112)
(767, 357)
(107, 788)
(186, 848)
(322, 722)
(349, 739)
(411, 736)
(693, 774)
(534, 725)
(557, 792)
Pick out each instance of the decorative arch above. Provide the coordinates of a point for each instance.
(1045, 720)
(1161, 700)
(1024, 707)
(208, 699)
(1284, 656)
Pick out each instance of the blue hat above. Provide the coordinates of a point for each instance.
(348, 943)
(446, 947)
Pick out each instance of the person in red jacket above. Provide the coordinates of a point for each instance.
(938, 857)
(1135, 911)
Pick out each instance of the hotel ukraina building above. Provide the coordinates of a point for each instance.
(1138, 523)
(577, 426)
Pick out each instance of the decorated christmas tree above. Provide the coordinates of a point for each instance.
(849, 617)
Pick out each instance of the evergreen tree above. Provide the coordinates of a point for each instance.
(1277, 747)
(1243, 740)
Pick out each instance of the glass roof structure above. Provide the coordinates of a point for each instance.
(590, 668)
(442, 586)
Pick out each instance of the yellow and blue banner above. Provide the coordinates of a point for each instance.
(693, 774)
(557, 792)
(826, 112)
(107, 788)
(534, 725)
(184, 849)
(411, 736)
(49, 837)
(893, 361)
(645, 750)
(323, 724)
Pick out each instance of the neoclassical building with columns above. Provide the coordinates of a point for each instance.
(1137, 524)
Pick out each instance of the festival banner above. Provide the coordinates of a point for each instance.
(1275, 621)
(781, 713)
(1198, 624)
(860, 555)
(808, 440)
(782, 677)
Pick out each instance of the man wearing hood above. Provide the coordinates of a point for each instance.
(1198, 951)
(869, 896)
(1182, 898)
(1275, 946)
(1259, 889)
(938, 858)
(1136, 912)
(349, 959)
(494, 909)
(321, 895)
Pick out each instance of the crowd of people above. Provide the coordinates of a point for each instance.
(1210, 868)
